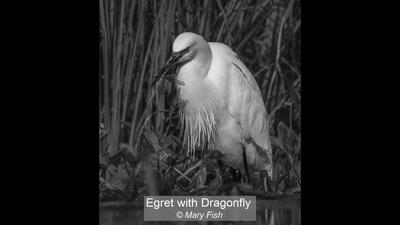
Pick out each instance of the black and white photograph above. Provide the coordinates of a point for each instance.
(200, 112)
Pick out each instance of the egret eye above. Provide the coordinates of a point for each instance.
(184, 51)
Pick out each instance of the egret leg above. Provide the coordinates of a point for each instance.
(266, 183)
(221, 171)
(246, 168)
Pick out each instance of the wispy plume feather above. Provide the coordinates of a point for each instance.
(199, 128)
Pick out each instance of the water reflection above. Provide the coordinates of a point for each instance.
(268, 213)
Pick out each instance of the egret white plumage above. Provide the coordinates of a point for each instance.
(223, 106)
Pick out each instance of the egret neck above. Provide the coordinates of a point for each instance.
(197, 96)
(192, 73)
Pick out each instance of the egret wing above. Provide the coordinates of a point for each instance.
(248, 108)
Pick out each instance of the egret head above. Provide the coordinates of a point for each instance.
(186, 47)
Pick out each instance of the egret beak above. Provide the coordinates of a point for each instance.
(172, 61)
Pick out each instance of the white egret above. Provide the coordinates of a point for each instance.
(223, 107)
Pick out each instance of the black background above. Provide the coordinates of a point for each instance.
(50, 91)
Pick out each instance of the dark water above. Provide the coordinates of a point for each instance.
(268, 212)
